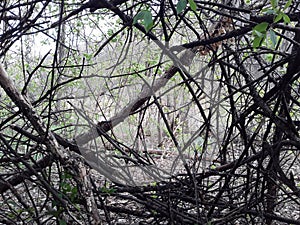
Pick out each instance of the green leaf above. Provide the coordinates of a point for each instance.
(213, 167)
(262, 27)
(268, 11)
(274, 3)
(286, 18)
(257, 42)
(278, 17)
(138, 17)
(288, 4)
(148, 21)
(146, 16)
(193, 5)
(181, 5)
(257, 33)
(273, 37)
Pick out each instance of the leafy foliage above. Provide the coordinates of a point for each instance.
(146, 16)
(181, 5)
(260, 31)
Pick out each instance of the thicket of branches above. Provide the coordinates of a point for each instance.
(149, 112)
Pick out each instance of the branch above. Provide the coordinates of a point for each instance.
(93, 5)
(18, 179)
(26, 108)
